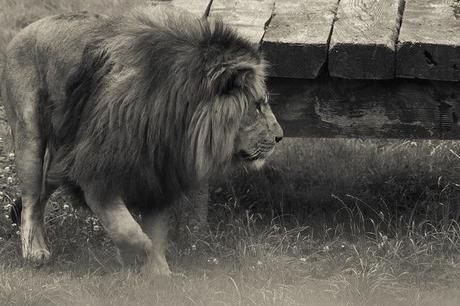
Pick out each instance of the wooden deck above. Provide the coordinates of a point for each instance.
(355, 68)
(354, 39)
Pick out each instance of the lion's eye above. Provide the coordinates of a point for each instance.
(259, 106)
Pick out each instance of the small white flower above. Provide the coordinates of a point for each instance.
(259, 263)
(7, 216)
(7, 168)
(14, 224)
(213, 260)
(11, 155)
(193, 247)
(9, 180)
(65, 206)
(18, 233)
(96, 228)
(326, 248)
(303, 259)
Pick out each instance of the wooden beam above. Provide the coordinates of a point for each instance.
(331, 107)
(429, 41)
(363, 40)
(248, 17)
(297, 39)
(198, 7)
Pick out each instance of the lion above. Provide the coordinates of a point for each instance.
(134, 111)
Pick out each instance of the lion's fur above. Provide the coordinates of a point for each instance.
(131, 110)
(154, 105)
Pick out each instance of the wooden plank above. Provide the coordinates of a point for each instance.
(198, 7)
(248, 17)
(402, 108)
(364, 38)
(429, 41)
(297, 38)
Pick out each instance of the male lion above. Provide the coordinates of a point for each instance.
(134, 111)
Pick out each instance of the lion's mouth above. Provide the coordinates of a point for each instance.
(255, 155)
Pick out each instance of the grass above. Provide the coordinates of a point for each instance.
(327, 222)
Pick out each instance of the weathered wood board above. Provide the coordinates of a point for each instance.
(364, 38)
(297, 38)
(331, 107)
(248, 17)
(198, 7)
(429, 40)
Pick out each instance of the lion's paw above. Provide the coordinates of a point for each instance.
(37, 257)
(157, 269)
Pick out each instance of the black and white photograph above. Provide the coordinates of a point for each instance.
(230, 152)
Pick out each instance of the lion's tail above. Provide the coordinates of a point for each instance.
(15, 211)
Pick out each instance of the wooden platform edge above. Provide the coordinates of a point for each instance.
(363, 43)
(334, 107)
(250, 18)
(299, 30)
(429, 40)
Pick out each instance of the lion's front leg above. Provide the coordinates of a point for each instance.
(156, 224)
(120, 225)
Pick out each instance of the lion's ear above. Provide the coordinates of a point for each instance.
(228, 78)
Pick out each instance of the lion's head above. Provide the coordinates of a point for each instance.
(242, 83)
(258, 133)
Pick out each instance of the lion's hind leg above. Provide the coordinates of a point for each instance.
(22, 98)
(29, 210)
(31, 165)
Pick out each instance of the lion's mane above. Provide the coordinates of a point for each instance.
(154, 106)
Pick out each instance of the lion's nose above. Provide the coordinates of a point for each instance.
(278, 139)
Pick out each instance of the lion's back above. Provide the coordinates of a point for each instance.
(51, 46)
